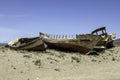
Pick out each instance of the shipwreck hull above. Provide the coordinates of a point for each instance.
(88, 40)
(66, 46)
(29, 44)
(97, 40)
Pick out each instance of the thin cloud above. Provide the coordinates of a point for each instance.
(1, 15)
(18, 15)
(8, 30)
(8, 34)
(12, 32)
(15, 15)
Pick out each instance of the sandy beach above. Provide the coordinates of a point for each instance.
(57, 65)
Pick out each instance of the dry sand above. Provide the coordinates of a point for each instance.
(56, 65)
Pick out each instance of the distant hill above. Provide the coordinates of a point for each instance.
(116, 42)
(3, 44)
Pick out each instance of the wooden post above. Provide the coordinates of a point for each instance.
(59, 36)
(72, 36)
(51, 36)
(65, 36)
(69, 36)
(56, 36)
(62, 36)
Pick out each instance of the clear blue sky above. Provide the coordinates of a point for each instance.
(26, 18)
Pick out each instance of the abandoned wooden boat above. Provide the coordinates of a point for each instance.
(73, 45)
(66, 45)
(98, 40)
(28, 44)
